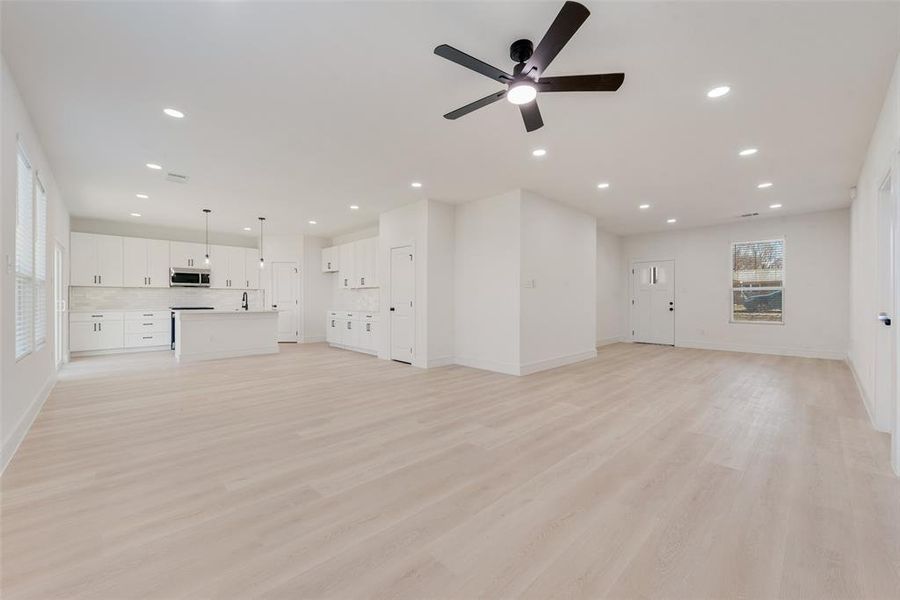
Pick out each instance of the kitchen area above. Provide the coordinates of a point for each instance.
(202, 301)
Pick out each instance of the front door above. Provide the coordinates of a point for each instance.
(653, 302)
(402, 311)
(285, 300)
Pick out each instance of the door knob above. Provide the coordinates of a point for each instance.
(392, 309)
(885, 319)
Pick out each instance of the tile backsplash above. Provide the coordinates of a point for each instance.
(366, 300)
(94, 298)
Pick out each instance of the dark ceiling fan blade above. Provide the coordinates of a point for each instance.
(472, 63)
(567, 22)
(608, 82)
(531, 114)
(459, 112)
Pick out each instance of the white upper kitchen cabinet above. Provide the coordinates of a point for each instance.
(365, 263)
(187, 255)
(331, 259)
(345, 260)
(251, 268)
(146, 262)
(228, 267)
(96, 260)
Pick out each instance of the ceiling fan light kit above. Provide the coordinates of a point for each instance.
(526, 79)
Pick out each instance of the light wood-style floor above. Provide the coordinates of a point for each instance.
(649, 472)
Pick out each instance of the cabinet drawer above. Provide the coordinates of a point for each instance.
(137, 315)
(148, 326)
(100, 315)
(138, 340)
(368, 317)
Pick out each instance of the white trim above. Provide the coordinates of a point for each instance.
(442, 361)
(313, 339)
(763, 349)
(488, 365)
(862, 393)
(731, 319)
(559, 361)
(22, 428)
(610, 340)
(111, 351)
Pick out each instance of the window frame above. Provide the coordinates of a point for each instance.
(783, 287)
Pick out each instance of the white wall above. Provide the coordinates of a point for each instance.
(316, 296)
(816, 284)
(558, 316)
(486, 267)
(25, 384)
(441, 243)
(612, 314)
(882, 155)
(159, 232)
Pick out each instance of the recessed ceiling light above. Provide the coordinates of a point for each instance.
(142, 196)
(671, 220)
(247, 229)
(644, 206)
(774, 206)
(602, 186)
(538, 152)
(764, 185)
(154, 166)
(174, 112)
(415, 184)
(748, 151)
(354, 207)
(135, 214)
(718, 91)
(312, 222)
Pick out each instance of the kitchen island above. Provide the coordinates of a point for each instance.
(211, 334)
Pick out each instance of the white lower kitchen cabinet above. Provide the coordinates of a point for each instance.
(352, 330)
(101, 330)
(148, 329)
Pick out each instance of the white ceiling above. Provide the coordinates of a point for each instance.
(297, 110)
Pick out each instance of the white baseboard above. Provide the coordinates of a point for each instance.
(609, 340)
(754, 349)
(119, 351)
(488, 365)
(525, 369)
(313, 339)
(24, 425)
(559, 361)
(442, 361)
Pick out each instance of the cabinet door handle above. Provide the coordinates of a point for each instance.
(348, 324)
(100, 277)
(345, 282)
(368, 327)
(147, 337)
(362, 281)
(100, 326)
(146, 324)
(95, 327)
(149, 280)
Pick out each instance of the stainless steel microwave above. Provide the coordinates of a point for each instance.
(188, 277)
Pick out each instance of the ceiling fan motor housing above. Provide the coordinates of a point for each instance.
(521, 50)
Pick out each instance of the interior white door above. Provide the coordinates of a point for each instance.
(885, 340)
(285, 300)
(402, 310)
(653, 302)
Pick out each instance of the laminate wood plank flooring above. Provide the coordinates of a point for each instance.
(648, 472)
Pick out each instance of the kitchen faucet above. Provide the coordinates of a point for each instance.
(244, 304)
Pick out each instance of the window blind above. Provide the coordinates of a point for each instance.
(24, 256)
(40, 264)
(757, 281)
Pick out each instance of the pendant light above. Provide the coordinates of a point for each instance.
(206, 258)
(262, 262)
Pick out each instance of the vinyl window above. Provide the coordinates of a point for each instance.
(757, 282)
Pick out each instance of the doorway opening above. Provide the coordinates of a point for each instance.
(59, 306)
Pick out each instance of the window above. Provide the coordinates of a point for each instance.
(31, 258)
(757, 281)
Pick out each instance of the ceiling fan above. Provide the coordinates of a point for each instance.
(526, 81)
